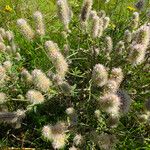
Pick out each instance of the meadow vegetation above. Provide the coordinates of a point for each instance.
(75, 74)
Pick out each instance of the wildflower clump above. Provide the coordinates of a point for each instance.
(78, 98)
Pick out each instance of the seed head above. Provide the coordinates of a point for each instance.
(99, 75)
(127, 36)
(40, 28)
(2, 73)
(135, 20)
(78, 140)
(86, 9)
(9, 36)
(35, 97)
(25, 29)
(57, 58)
(110, 103)
(64, 12)
(3, 33)
(106, 22)
(26, 76)
(2, 47)
(120, 47)
(40, 80)
(109, 44)
(102, 14)
(116, 75)
(3, 98)
(56, 134)
(110, 87)
(7, 65)
(95, 27)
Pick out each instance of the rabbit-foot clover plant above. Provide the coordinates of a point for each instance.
(87, 92)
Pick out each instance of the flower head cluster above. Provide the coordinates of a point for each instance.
(65, 13)
(86, 9)
(110, 103)
(120, 47)
(7, 65)
(34, 97)
(110, 87)
(26, 76)
(109, 44)
(2, 75)
(114, 81)
(104, 141)
(13, 118)
(72, 115)
(2, 47)
(57, 58)
(127, 36)
(116, 75)
(40, 80)
(9, 35)
(99, 75)
(40, 29)
(139, 45)
(3, 33)
(26, 29)
(99, 24)
(73, 148)
(95, 27)
(3, 98)
(56, 134)
(106, 22)
(135, 20)
(147, 105)
(78, 140)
